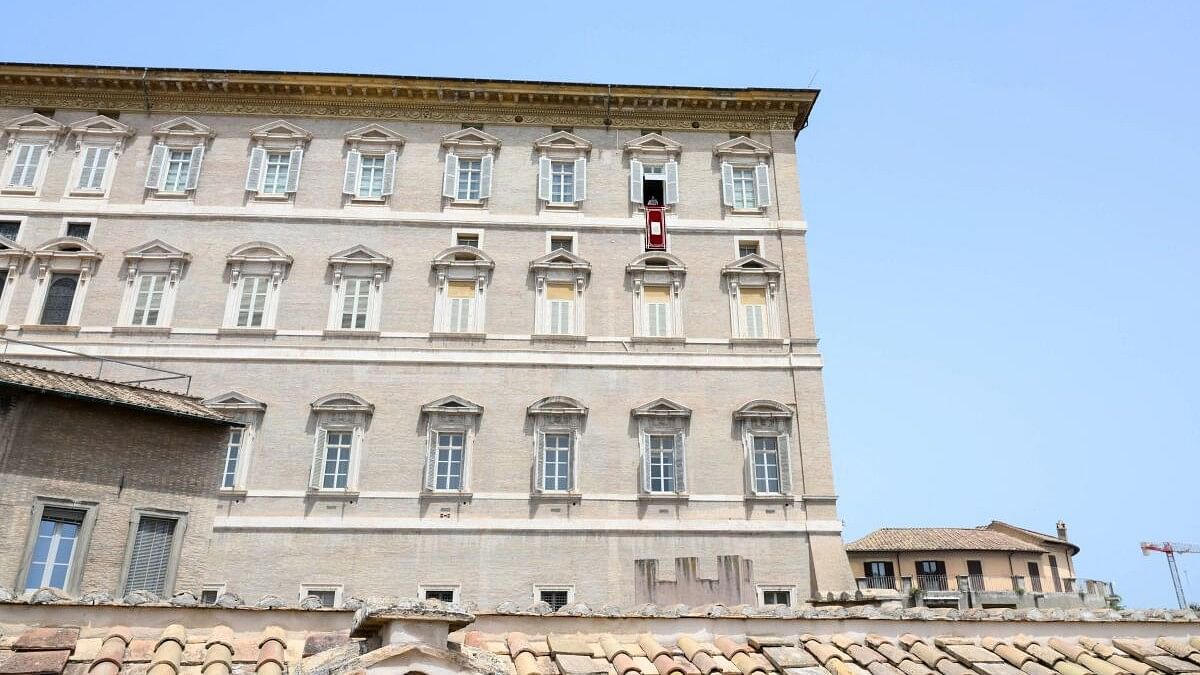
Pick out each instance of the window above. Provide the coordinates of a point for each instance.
(330, 596)
(557, 597)
(880, 574)
(208, 596)
(743, 188)
(55, 548)
(657, 278)
(562, 243)
(658, 315)
(150, 289)
(661, 428)
(560, 278)
(754, 311)
(179, 166)
(95, 166)
(654, 183)
(275, 178)
(776, 596)
(562, 168)
(745, 176)
(358, 274)
(150, 557)
(661, 457)
(233, 451)
(1035, 577)
(177, 156)
(274, 169)
(470, 174)
(466, 239)
(27, 158)
(371, 162)
(462, 276)
(370, 177)
(450, 450)
(354, 304)
(9, 229)
(556, 462)
(341, 421)
(561, 298)
(60, 296)
(1058, 584)
(252, 293)
(931, 575)
(562, 182)
(337, 460)
(975, 575)
(766, 464)
(441, 594)
(79, 229)
(462, 300)
(747, 247)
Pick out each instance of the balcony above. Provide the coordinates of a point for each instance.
(933, 582)
(887, 583)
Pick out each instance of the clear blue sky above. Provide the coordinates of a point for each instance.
(1003, 207)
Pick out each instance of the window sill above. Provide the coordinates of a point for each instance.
(767, 341)
(747, 212)
(272, 198)
(446, 496)
(20, 191)
(158, 194)
(771, 499)
(259, 332)
(457, 336)
(351, 333)
(88, 194)
(141, 330)
(232, 493)
(664, 497)
(558, 337)
(473, 204)
(332, 494)
(368, 201)
(572, 497)
(665, 339)
(569, 206)
(41, 328)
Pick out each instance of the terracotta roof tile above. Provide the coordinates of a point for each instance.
(939, 539)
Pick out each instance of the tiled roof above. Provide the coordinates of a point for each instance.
(939, 539)
(79, 386)
(833, 654)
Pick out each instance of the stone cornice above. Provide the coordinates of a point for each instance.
(282, 94)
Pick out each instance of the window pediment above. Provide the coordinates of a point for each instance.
(12, 254)
(653, 145)
(359, 260)
(661, 407)
(100, 129)
(233, 400)
(342, 404)
(261, 257)
(563, 144)
(752, 269)
(463, 262)
(558, 405)
(763, 409)
(471, 141)
(33, 125)
(560, 260)
(182, 131)
(67, 254)
(453, 406)
(280, 134)
(742, 147)
(156, 253)
(374, 136)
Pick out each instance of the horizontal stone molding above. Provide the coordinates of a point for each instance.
(558, 525)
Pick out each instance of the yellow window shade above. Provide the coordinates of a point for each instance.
(753, 296)
(461, 289)
(560, 292)
(657, 294)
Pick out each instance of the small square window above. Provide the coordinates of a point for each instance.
(208, 597)
(79, 229)
(562, 244)
(556, 598)
(776, 596)
(10, 229)
(328, 596)
(441, 594)
(748, 247)
(473, 125)
(647, 132)
(45, 112)
(468, 240)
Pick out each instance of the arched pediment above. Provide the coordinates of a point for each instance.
(465, 255)
(342, 402)
(763, 408)
(9, 246)
(233, 400)
(557, 405)
(656, 260)
(662, 407)
(68, 245)
(259, 251)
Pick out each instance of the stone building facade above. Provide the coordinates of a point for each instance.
(462, 374)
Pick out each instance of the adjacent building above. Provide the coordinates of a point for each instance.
(993, 565)
(458, 371)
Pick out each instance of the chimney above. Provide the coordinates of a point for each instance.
(409, 622)
(1062, 530)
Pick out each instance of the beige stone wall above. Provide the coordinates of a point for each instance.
(119, 459)
(999, 567)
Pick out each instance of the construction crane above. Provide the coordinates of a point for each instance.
(1171, 549)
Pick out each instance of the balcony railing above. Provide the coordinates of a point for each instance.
(975, 583)
(1035, 584)
(933, 582)
(879, 582)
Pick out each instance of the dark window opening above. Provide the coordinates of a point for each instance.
(45, 112)
(444, 595)
(1058, 584)
(327, 597)
(208, 597)
(1035, 577)
(931, 575)
(880, 574)
(746, 248)
(469, 125)
(555, 130)
(647, 132)
(652, 191)
(3, 281)
(562, 243)
(10, 229)
(110, 114)
(82, 230)
(467, 240)
(556, 599)
(777, 597)
(975, 574)
(59, 298)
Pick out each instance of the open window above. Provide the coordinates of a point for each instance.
(467, 175)
(65, 267)
(745, 175)
(29, 142)
(653, 170)
(371, 155)
(562, 169)
(152, 273)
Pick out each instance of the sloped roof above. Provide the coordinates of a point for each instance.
(939, 539)
(70, 385)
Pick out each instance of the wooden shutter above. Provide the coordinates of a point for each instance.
(150, 558)
(450, 176)
(785, 465)
(635, 181)
(460, 289)
(762, 183)
(727, 183)
(539, 460)
(258, 157)
(560, 292)
(350, 179)
(155, 173)
(293, 177)
(671, 189)
(485, 177)
(318, 460)
(389, 172)
(193, 178)
(645, 441)
(752, 296)
(580, 179)
(431, 461)
(680, 484)
(544, 179)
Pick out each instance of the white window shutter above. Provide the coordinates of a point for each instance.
(431, 461)
(294, 162)
(580, 179)
(485, 177)
(350, 180)
(785, 465)
(539, 458)
(544, 179)
(635, 181)
(748, 463)
(645, 440)
(318, 461)
(727, 183)
(193, 178)
(680, 472)
(450, 176)
(389, 173)
(671, 189)
(155, 173)
(762, 183)
(258, 156)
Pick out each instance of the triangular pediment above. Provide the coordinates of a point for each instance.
(182, 126)
(374, 133)
(653, 143)
(662, 407)
(280, 130)
(362, 254)
(470, 137)
(101, 124)
(742, 145)
(452, 404)
(7, 244)
(562, 140)
(751, 263)
(560, 257)
(156, 248)
(234, 400)
(33, 123)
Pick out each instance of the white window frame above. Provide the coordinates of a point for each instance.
(102, 132)
(468, 144)
(339, 413)
(152, 258)
(34, 130)
(372, 140)
(663, 417)
(12, 264)
(645, 272)
(560, 267)
(311, 589)
(753, 271)
(454, 232)
(562, 234)
(744, 152)
(658, 150)
(22, 222)
(562, 146)
(249, 412)
(554, 588)
(357, 263)
(50, 259)
(217, 589)
(557, 415)
(181, 134)
(256, 259)
(449, 415)
(279, 138)
(739, 240)
(172, 569)
(772, 419)
(461, 264)
(68, 221)
(456, 589)
(82, 542)
(762, 589)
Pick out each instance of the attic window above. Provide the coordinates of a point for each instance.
(466, 239)
(471, 125)
(9, 229)
(110, 114)
(466, 256)
(646, 132)
(748, 247)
